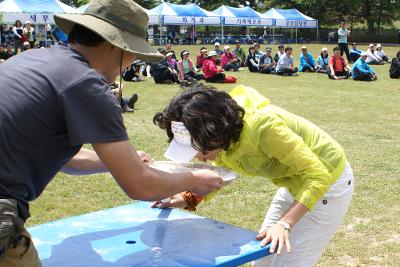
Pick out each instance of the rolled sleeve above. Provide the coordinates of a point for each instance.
(92, 114)
(280, 142)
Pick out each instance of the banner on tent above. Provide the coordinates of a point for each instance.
(296, 23)
(181, 20)
(33, 18)
(248, 21)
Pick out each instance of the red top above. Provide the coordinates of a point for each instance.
(200, 60)
(210, 68)
(337, 63)
(225, 58)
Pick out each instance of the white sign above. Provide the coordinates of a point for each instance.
(154, 20)
(296, 23)
(34, 18)
(178, 20)
(248, 21)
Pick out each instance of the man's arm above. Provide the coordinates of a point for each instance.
(144, 183)
(83, 163)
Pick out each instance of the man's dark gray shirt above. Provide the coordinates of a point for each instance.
(51, 103)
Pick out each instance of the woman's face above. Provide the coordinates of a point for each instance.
(18, 24)
(325, 53)
(208, 155)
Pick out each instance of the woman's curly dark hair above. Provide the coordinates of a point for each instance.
(213, 119)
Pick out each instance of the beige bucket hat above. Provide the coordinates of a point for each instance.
(123, 23)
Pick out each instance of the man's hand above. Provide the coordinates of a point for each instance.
(145, 183)
(205, 181)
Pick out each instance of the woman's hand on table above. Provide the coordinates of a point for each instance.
(277, 235)
(176, 201)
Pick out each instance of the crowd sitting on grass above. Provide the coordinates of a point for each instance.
(212, 65)
(215, 63)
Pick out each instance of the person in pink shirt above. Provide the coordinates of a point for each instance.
(228, 60)
(201, 58)
(172, 63)
(212, 73)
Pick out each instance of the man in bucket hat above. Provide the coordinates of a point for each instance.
(63, 100)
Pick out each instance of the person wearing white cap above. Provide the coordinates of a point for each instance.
(228, 60)
(29, 33)
(361, 71)
(27, 46)
(307, 62)
(212, 73)
(201, 57)
(372, 58)
(244, 132)
(187, 70)
(323, 61)
(380, 53)
(217, 49)
(168, 49)
(267, 63)
(172, 63)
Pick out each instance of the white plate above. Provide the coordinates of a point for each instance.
(176, 167)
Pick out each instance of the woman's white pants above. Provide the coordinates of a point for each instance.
(312, 234)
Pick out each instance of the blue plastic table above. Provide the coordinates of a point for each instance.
(136, 235)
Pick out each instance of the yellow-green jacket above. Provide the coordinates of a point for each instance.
(291, 151)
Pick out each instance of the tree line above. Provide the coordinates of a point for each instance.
(374, 14)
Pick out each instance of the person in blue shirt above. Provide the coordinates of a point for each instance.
(323, 61)
(361, 71)
(354, 53)
(267, 63)
(307, 62)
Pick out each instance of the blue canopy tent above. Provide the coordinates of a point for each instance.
(35, 11)
(153, 17)
(292, 19)
(241, 16)
(192, 14)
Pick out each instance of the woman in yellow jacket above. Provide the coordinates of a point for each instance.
(242, 131)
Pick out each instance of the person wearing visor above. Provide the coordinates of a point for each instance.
(186, 68)
(201, 58)
(212, 73)
(244, 132)
(361, 71)
(64, 108)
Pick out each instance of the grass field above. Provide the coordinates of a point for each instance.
(363, 117)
